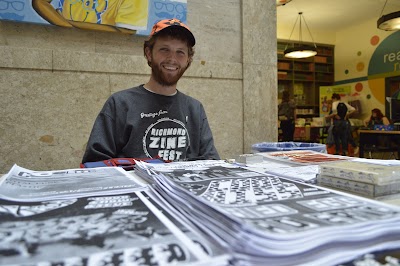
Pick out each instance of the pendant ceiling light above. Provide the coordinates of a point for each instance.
(282, 2)
(300, 50)
(390, 21)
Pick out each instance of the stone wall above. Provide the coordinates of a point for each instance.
(54, 81)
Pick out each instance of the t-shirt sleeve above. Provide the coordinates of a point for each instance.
(207, 148)
(101, 143)
(334, 107)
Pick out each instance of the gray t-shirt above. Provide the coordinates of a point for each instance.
(136, 123)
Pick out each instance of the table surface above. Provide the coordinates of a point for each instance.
(364, 133)
(394, 201)
(371, 131)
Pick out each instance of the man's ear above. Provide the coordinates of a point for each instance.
(190, 60)
(148, 53)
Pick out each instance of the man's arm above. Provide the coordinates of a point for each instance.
(333, 111)
(330, 116)
(101, 144)
(350, 110)
(47, 11)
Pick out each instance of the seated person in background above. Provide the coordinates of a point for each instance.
(287, 116)
(155, 120)
(376, 118)
(340, 114)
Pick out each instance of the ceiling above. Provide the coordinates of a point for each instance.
(333, 15)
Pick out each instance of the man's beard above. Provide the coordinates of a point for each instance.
(163, 78)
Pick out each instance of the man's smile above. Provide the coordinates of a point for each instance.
(170, 67)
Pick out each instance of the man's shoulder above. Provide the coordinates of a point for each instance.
(133, 90)
(188, 99)
(127, 94)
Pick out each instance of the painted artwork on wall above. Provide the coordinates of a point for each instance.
(125, 16)
(325, 94)
(369, 65)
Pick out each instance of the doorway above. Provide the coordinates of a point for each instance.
(392, 106)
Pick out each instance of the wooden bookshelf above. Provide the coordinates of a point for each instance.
(303, 77)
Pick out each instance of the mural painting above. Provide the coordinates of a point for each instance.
(125, 16)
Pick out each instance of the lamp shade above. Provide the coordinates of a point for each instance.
(389, 22)
(282, 2)
(301, 51)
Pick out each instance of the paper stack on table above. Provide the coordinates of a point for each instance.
(22, 184)
(364, 178)
(267, 219)
(303, 157)
(98, 216)
(299, 165)
(249, 158)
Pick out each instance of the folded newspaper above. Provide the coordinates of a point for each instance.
(264, 218)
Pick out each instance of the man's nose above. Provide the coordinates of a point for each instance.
(172, 55)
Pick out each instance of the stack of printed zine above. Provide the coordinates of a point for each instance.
(98, 216)
(364, 177)
(265, 219)
(299, 165)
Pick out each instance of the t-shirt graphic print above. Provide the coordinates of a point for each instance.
(167, 139)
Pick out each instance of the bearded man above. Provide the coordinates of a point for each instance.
(155, 120)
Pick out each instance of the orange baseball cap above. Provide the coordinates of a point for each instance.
(173, 22)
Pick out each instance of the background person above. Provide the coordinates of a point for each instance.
(340, 114)
(287, 116)
(376, 118)
(155, 120)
